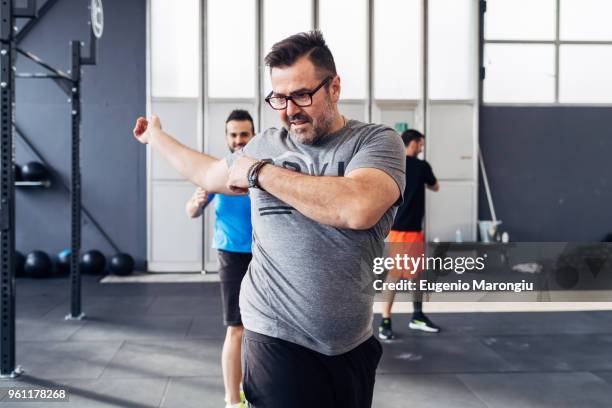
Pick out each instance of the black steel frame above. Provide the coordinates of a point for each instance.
(70, 83)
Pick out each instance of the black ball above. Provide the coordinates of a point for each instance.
(19, 263)
(62, 262)
(34, 171)
(566, 273)
(121, 264)
(38, 264)
(93, 262)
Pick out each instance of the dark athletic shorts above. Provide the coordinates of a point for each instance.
(280, 374)
(233, 267)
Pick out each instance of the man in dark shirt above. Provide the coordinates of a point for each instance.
(407, 229)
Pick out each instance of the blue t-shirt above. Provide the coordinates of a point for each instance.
(233, 230)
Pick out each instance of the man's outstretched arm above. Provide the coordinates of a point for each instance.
(201, 169)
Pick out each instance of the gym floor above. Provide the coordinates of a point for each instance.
(159, 345)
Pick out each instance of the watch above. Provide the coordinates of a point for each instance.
(253, 173)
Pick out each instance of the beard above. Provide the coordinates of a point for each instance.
(232, 149)
(319, 127)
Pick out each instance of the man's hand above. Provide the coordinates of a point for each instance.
(237, 180)
(199, 168)
(200, 196)
(144, 128)
(195, 205)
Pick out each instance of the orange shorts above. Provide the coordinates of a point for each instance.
(406, 236)
(410, 243)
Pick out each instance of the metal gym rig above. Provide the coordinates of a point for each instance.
(70, 83)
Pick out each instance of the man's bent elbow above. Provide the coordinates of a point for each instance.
(363, 214)
(362, 219)
(360, 225)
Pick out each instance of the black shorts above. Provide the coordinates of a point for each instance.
(233, 267)
(280, 374)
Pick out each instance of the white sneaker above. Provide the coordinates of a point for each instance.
(424, 324)
(238, 405)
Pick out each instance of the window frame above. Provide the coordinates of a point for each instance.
(557, 43)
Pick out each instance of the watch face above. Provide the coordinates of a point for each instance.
(97, 18)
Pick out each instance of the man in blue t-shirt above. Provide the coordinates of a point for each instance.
(232, 239)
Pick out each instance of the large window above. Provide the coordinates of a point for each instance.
(520, 19)
(519, 73)
(398, 49)
(548, 51)
(584, 73)
(231, 48)
(347, 42)
(586, 20)
(174, 49)
(452, 49)
(281, 19)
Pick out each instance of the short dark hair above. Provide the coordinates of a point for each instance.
(240, 114)
(411, 135)
(310, 44)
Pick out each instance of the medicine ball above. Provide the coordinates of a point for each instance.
(93, 262)
(121, 264)
(37, 264)
(34, 171)
(566, 273)
(19, 263)
(63, 262)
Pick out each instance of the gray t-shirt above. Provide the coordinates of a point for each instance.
(310, 283)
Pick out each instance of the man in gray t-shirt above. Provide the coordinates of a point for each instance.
(324, 191)
(310, 283)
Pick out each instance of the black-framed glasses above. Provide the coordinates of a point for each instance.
(301, 99)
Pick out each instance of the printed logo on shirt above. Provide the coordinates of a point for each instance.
(303, 164)
(294, 161)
